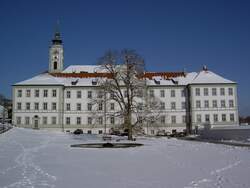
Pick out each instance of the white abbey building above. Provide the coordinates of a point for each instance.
(60, 98)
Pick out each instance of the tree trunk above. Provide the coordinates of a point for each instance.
(130, 132)
(128, 125)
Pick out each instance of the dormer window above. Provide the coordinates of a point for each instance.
(55, 65)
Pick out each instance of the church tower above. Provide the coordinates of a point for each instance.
(56, 54)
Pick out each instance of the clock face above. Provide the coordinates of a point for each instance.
(56, 52)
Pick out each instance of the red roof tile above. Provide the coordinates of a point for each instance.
(148, 75)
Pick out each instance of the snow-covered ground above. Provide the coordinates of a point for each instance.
(30, 158)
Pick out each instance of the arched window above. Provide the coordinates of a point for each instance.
(55, 65)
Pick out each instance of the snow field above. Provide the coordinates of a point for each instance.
(30, 158)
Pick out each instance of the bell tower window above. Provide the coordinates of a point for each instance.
(55, 65)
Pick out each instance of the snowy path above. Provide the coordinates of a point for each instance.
(30, 174)
(44, 159)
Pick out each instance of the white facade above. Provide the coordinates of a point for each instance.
(59, 102)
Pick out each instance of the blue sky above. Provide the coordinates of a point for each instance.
(170, 35)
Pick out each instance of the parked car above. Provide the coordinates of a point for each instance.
(78, 131)
(115, 132)
(124, 134)
(161, 133)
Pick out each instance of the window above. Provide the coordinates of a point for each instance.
(89, 120)
(27, 120)
(152, 131)
(45, 93)
(152, 119)
(197, 92)
(125, 93)
(27, 106)
(55, 65)
(215, 105)
(53, 120)
(36, 93)
(224, 117)
(173, 119)
(222, 91)
(36, 106)
(205, 90)
(112, 120)
(198, 104)
(162, 119)
(140, 106)
(100, 120)
(100, 106)
(90, 94)
(231, 103)
(19, 93)
(183, 119)
(45, 120)
(112, 106)
(68, 120)
(68, 94)
(215, 117)
(214, 91)
(151, 93)
(78, 120)
(78, 94)
(54, 93)
(207, 118)
(173, 106)
(78, 106)
(139, 92)
(183, 93)
(231, 117)
(89, 106)
(68, 106)
(89, 132)
(45, 106)
(172, 93)
(162, 106)
(99, 131)
(18, 120)
(206, 104)
(27, 93)
(198, 118)
(111, 95)
(183, 105)
(140, 119)
(230, 91)
(223, 103)
(53, 106)
(162, 93)
(100, 94)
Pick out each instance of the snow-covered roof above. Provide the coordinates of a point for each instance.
(47, 79)
(43, 79)
(82, 68)
(85, 75)
(208, 77)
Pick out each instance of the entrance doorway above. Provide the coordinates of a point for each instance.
(36, 122)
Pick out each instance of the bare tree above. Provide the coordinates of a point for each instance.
(126, 85)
